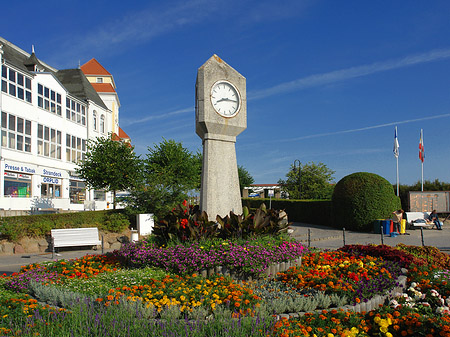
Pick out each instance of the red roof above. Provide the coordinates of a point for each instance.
(93, 67)
(122, 134)
(103, 87)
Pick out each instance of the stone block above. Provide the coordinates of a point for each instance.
(18, 249)
(8, 248)
(115, 245)
(32, 247)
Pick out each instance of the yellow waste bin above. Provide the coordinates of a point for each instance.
(403, 226)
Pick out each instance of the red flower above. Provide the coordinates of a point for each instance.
(184, 222)
(184, 203)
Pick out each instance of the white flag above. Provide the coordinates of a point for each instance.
(396, 146)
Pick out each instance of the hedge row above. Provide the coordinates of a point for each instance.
(15, 227)
(316, 212)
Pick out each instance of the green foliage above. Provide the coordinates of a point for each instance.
(184, 223)
(317, 212)
(315, 182)
(187, 223)
(170, 172)
(245, 178)
(15, 227)
(116, 222)
(110, 165)
(360, 198)
(262, 222)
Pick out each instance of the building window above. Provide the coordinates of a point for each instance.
(77, 192)
(49, 100)
(99, 195)
(75, 112)
(17, 185)
(99, 79)
(16, 132)
(16, 84)
(49, 142)
(75, 148)
(50, 191)
(102, 124)
(95, 120)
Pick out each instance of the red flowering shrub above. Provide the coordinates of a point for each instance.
(388, 253)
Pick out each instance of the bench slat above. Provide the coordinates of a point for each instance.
(75, 237)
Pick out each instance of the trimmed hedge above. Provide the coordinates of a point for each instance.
(362, 197)
(15, 227)
(316, 212)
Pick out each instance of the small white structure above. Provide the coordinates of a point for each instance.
(145, 224)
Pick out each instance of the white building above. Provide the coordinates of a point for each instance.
(47, 117)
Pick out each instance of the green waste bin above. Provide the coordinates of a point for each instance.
(377, 226)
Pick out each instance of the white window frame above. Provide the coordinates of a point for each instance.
(15, 132)
(102, 123)
(75, 148)
(11, 85)
(49, 142)
(49, 100)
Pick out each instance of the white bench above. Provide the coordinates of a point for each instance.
(71, 237)
(411, 217)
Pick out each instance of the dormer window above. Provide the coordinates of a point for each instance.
(99, 79)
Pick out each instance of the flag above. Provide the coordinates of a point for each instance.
(421, 148)
(396, 146)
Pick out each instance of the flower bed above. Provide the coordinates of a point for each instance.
(359, 278)
(249, 257)
(110, 300)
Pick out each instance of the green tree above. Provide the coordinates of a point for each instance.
(316, 182)
(170, 172)
(245, 178)
(110, 165)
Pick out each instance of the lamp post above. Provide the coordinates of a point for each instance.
(298, 164)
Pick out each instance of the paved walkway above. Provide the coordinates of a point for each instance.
(320, 237)
(329, 238)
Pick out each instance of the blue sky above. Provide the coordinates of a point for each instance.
(327, 81)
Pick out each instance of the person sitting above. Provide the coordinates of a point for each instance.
(397, 217)
(433, 217)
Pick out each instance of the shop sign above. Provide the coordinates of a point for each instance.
(10, 175)
(49, 180)
(19, 168)
(24, 176)
(51, 173)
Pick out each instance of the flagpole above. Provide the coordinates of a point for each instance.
(422, 154)
(397, 179)
(396, 153)
(422, 176)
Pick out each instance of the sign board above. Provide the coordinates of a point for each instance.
(145, 223)
(428, 200)
(271, 193)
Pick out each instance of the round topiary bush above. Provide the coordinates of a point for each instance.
(362, 197)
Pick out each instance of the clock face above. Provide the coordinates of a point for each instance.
(225, 98)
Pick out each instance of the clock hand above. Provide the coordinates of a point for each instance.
(226, 100)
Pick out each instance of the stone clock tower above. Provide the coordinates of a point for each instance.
(220, 115)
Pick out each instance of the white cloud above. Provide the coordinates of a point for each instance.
(349, 73)
(317, 135)
(128, 122)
